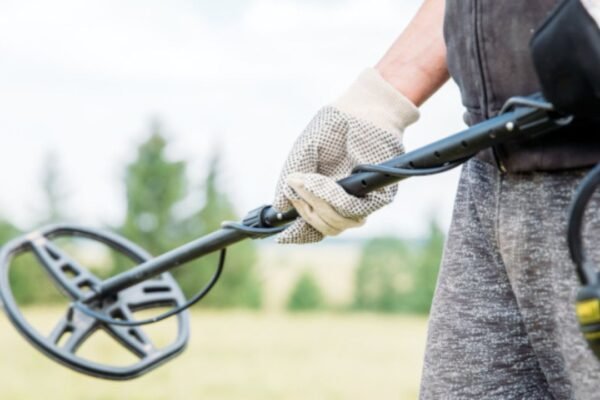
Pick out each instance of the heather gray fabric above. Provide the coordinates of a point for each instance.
(489, 58)
(502, 325)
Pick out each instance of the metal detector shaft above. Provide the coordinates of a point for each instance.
(523, 122)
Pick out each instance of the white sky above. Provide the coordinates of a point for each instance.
(85, 78)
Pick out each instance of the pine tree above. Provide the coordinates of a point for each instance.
(155, 187)
(54, 193)
(397, 276)
(306, 295)
(29, 280)
(427, 267)
(239, 285)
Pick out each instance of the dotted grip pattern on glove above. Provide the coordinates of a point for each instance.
(328, 149)
(364, 126)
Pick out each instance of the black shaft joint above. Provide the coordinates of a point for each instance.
(254, 224)
(255, 218)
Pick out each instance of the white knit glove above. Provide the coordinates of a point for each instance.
(364, 126)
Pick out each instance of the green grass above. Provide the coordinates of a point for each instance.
(240, 355)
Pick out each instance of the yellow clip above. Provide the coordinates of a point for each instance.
(592, 335)
(588, 311)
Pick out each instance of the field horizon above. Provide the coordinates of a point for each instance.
(240, 355)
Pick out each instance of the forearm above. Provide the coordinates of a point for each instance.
(416, 63)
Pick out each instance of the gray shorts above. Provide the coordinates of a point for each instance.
(503, 324)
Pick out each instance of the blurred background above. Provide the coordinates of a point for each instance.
(158, 120)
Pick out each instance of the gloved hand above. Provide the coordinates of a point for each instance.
(364, 126)
(566, 55)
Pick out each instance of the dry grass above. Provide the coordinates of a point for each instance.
(242, 355)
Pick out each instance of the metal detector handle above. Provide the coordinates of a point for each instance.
(531, 119)
(97, 303)
(525, 122)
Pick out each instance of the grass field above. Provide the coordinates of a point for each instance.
(241, 355)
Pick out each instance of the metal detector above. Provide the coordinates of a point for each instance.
(109, 304)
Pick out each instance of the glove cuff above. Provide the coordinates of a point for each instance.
(373, 99)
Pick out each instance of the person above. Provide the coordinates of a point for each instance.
(566, 55)
(502, 324)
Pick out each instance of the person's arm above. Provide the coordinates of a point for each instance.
(416, 63)
(364, 126)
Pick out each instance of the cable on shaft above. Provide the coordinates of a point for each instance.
(582, 196)
(80, 306)
(399, 172)
(254, 232)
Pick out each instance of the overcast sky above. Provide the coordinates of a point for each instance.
(84, 79)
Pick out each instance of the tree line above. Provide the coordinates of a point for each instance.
(392, 276)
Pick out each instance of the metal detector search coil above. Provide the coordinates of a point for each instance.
(75, 281)
(109, 304)
(587, 305)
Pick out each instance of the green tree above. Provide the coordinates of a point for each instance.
(398, 276)
(306, 294)
(20, 278)
(426, 268)
(239, 284)
(156, 186)
(53, 191)
(30, 282)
